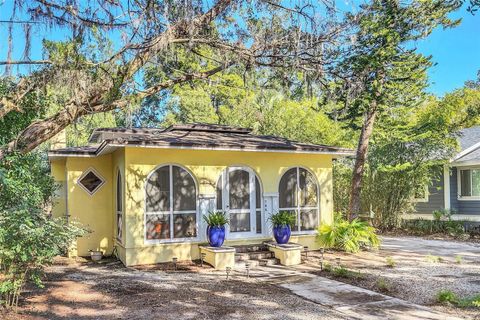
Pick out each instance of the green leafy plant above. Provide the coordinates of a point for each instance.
(458, 259)
(216, 218)
(29, 239)
(349, 236)
(343, 272)
(390, 262)
(470, 302)
(433, 259)
(282, 218)
(447, 297)
(382, 285)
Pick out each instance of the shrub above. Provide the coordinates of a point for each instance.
(382, 285)
(442, 223)
(433, 259)
(390, 262)
(29, 240)
(216, 219)
(459, 259)
(447, 296)
(349, 236)
(282, 218)
(343, 272)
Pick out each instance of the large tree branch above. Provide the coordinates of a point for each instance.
(145, 52)
(41, 131)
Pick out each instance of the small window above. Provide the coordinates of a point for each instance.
(91, 181)
(469, 183)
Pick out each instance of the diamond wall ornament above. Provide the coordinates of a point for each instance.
(91, 181)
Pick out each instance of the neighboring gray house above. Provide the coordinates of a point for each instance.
(458, 188)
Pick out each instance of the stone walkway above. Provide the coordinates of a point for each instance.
(358, 303)
(351, 301)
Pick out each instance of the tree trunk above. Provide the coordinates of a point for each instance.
(361, 157)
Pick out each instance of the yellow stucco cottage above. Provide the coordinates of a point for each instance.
(144, 191)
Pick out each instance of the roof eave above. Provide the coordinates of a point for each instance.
(106, 146)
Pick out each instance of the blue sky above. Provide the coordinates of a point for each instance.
(456, 51)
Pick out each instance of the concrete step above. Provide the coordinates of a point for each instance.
(250, 248)
(241, 265)
(257, 255)
(269, 262)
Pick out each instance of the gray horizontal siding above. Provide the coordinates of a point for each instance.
(461, 206)
(436, 196)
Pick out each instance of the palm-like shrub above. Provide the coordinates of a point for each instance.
(349, 236)
(216, 219)
(282, 218)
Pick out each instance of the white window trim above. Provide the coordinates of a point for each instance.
(171, 212)
(298, 207)
(459, 184)
(423, 199)
(119, 212)
(91, 169)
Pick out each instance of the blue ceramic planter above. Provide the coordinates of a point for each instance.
(282, 234)
(216, 235)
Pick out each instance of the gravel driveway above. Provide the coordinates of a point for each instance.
(88, 291)
(422, 268)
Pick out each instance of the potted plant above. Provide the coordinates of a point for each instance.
(281, 223)
(216, 222)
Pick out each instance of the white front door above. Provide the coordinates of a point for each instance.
(240, 202)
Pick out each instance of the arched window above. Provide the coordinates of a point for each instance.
(119, 206)
(171, 204)
(239, 194)
(298, 193)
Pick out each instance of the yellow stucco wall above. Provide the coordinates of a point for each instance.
(59, 174)
(93, 211)
(98, 211)
(206, 167)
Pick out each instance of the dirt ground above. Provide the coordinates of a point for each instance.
(110, 291)
(421, 269)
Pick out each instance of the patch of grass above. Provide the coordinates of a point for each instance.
(342, 272)
(327, 267)
(447, 297)
(390, 262)
(458, 259)
(382, 285)
(433, 259)
(470, 302)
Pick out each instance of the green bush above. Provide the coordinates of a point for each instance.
(470, 302)
(442, 223)
(447, 296)
(283, 218)
(349, 236)
(29, 237)
(216, 219)
(29, 240)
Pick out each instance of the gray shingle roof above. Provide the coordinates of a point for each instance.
(468, 137)
(200, 136)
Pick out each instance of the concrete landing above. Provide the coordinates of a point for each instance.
(358, 303)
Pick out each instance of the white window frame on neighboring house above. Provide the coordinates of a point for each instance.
(425, 195)
(459, 184)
